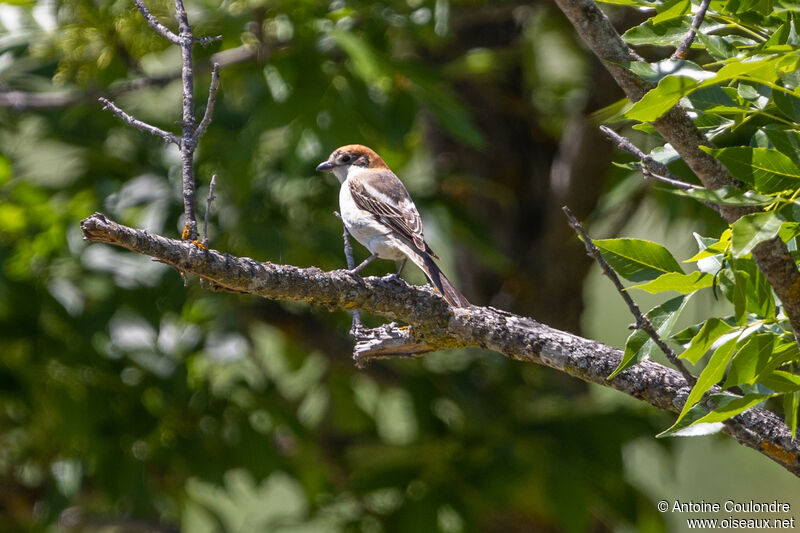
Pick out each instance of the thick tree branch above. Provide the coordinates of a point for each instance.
(434, 325)
(676, 127)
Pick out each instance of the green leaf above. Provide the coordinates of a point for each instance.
(674, 281)
(661, 99)
(718, 46)
(639, 345)
(740, 6)
(713, 329)
(668, 33)
(637, 259)
(767, 170)
(710, 98)
(710, 375)
(749, 360)
(655, 72)
(788, 104)
(774, 136)
(727, 195)
(685, 427)
(672, 9)
(760, 68)
(790, 409)
(729, 406)
(632, 3)
(777, 38)
(781, 381)
(751, 230)
(740, 281)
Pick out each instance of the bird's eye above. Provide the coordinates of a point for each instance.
(346, 159)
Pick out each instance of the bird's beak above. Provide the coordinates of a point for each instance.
(325, 166)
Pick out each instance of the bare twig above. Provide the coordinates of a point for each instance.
(209, 199)
(678, 184)
(205, 41)
(212, 98)
(159, 28)
(683, 49)
(186, 41)
(357, 326)
(650, 168)
(642, 322)
(439, 326)
(656, 168)
(136, 123)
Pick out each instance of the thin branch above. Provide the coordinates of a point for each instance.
(438, 326)
(188, 143)
(683, 49)
(212, 98)
(348, 256)
(205, 41)
(642, 322)
(159, 28)
(657, 170)
(209, 200)
(136, 123)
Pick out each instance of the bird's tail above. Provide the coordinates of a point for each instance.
(439, 280)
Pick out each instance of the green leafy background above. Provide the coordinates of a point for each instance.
(127, 398)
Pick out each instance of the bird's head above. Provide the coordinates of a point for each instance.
(351, 156)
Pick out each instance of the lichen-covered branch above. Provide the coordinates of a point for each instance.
(676, 127)
(434, 325)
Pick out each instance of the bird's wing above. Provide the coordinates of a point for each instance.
(382, 193)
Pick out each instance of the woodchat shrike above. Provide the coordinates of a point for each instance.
(378, 212)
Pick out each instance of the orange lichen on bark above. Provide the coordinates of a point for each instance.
(185, 234)
(775, 451)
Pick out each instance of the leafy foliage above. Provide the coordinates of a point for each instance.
(743, 89)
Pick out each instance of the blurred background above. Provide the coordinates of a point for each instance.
(130, 402)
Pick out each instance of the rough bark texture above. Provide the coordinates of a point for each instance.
(772, 257)
(435, 325)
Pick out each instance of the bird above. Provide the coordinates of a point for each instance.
(379, 213)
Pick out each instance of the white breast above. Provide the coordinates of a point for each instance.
(364, 227)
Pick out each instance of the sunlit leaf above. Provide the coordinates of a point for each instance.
(791, 402)
(637, 259)
(674, 281)
(749, 360)
(768, 171)
(781, 381)
(712, 330)
(727, 195)
(672, 9)
(751, 230)
(710, 375)
(731, 406)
